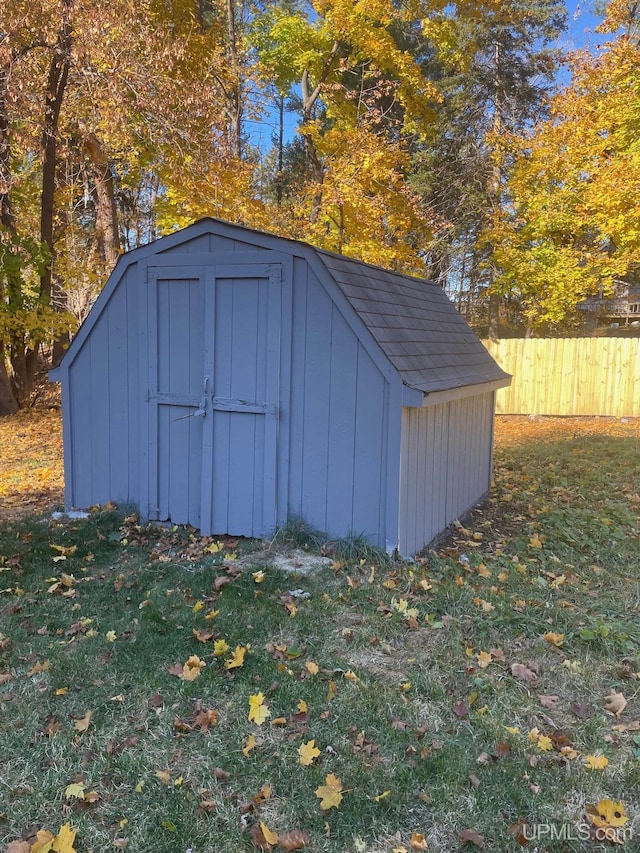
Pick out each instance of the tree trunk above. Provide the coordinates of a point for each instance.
(25, 362)
(309, 99)
(56, 84)
(235, 107)
(107, 232)
(8, 401)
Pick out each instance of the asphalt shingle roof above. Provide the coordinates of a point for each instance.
(416, 325)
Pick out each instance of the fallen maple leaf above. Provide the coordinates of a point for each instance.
(330, 794)
(191, 669)
(596, 762)
(553, 638)
(418, 841)
(75, 790)
(615, 703)
(60, 843)
(258, 711)
(220, 648)
(308, 753)
(606, 813)
(522, 672)
(312, 668)
(484, 659)
(237, 659)
(548, 702)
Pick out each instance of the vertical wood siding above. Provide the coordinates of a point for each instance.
(102, 432)
(445, 466)
(337, 422)
(569, 376)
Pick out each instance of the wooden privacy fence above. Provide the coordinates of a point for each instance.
(569, 376)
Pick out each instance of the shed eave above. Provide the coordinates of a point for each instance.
(436, 398)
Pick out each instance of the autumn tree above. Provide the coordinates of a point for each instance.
(96, 101)
(494, 70)
(571, 227)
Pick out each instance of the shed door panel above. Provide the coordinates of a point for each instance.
(245, 364)
(213, 389)
(176, 368)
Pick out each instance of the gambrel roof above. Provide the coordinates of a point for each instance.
(415, 324)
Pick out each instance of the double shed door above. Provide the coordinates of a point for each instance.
(215, 353)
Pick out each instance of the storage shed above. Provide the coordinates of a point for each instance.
(230, 379)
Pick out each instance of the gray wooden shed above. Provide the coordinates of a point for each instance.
(230, 379)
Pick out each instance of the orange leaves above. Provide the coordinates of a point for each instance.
(188, 671)
(615, 703)
(30, 463)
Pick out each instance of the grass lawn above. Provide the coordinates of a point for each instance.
(164, 693)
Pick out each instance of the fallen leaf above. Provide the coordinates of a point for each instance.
(75, 790)
(633, 726)
(308, 752)
(553, 638)
(484, 659)
(311, 667)
(294, 840)
(269, 836)
(522, 672)
(258, 711)
(220, 648)
(237, 659)
(192, 668)
(470, 836)
(330, 793)
(606, 813)
(39, 667)
(615, 703)
(249, 745)
(582, 710)
(18, 847)
(596, 762)
(418, 841)
(44, 841)
(548, 702)
(203, 636)
(81, 725)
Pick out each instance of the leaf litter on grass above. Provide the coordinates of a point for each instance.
(420, 685)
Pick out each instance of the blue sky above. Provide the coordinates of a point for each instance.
(581, 24)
